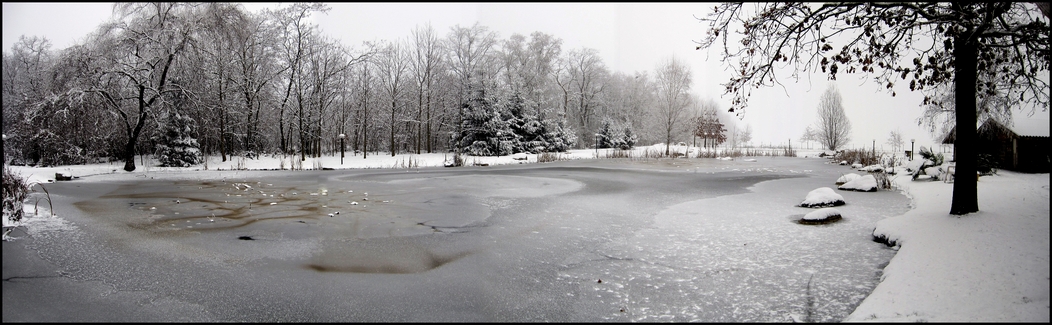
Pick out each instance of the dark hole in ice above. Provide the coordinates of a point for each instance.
(414, 263)
(246, 238)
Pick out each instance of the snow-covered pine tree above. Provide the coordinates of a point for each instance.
(629, 137)
(486, 128)
(176, 145)
(612, 136)
(528, 129)
(558, 136)
(607, 138)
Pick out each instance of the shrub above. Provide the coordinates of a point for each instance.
(985, 164)
(862, 156)
(549, 157)
(14, 193)
(936, 158)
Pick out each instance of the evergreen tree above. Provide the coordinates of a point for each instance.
(629, 137)
(611, 136)
(486, 128)
(177, 147)
(558, 136)
(607, 138)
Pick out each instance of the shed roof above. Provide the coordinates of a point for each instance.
(1022, 126)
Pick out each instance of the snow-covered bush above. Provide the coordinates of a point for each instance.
(866, 183)
(176, 145)
(930, 159)
(985, 164)
(14, 193)
(822, 197)
(47, 148)
(821, 216)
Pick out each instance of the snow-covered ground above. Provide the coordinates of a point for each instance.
(990, 266)
(987, 266)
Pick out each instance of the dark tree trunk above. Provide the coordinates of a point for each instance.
(965, 196)
(133, 134)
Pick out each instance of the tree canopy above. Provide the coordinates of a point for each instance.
(981, 49)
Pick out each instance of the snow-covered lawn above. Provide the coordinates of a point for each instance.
(990, 266)
(987, 266)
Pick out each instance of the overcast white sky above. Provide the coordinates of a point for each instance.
(629, 36)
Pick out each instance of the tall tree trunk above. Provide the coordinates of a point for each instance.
(429, 147)
(393, 105)
(965, 195)
(222, 124)
(419, 116)
(299, 119)
(133, 133)
(365, 120)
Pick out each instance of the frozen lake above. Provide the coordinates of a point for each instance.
(571, 241)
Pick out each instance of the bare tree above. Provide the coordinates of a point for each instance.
(895, 140)
(426, 61)
(808, 136)
(392, 65)
(291, 23)
(673, 87)
(588, 77)
(833, 127)
(745, 135)
(137, 56)
(930, 43)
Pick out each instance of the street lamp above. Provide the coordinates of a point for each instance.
(911, 148)
(342, 136)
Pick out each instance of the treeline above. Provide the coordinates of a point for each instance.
(182, 80)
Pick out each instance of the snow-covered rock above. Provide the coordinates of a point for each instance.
(847, 178)
(872, 168)
(856, 166)
(822, 197)
(519, 156)
(821, 216)
(866, 183)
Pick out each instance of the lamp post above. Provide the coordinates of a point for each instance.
(342, 136)
(911, 148)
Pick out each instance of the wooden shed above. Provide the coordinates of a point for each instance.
(1010, 149)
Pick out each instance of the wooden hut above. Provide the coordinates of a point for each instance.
(1010, 149)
